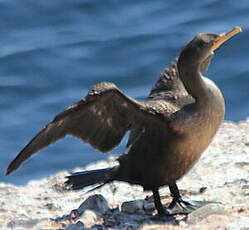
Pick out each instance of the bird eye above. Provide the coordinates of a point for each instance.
(202, 43)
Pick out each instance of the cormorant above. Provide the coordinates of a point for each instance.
(169, 130)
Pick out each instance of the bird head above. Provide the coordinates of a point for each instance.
(199, 51)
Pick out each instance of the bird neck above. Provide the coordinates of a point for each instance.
(193, 82)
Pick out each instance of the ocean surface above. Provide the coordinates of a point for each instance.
(51, 52)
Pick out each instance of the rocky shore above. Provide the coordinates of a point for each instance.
(222, 174)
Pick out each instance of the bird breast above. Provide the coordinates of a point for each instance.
(194, 131)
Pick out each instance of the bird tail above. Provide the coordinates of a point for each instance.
(83, 179)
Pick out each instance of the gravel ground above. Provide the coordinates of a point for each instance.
(220, 175)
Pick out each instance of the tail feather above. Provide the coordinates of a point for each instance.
(83, 179)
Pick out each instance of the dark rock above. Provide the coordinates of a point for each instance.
(78, 226)
(132, 207)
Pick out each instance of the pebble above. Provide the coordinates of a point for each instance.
(78, 226)
(96, 202)
(89, 218)
(131, 207)
(25, 223)
(240, 223)
(203, 212)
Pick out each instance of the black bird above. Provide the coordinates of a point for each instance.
(169, 130)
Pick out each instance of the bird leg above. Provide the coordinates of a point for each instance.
(158, 204)
(177, 206)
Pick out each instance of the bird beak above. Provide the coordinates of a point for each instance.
(224, 37)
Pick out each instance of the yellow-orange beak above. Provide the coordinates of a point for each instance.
(224, 37)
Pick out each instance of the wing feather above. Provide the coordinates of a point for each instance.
(100, 119)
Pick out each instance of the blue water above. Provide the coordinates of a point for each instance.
(51, 52)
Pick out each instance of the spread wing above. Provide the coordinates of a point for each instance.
(100, 119)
